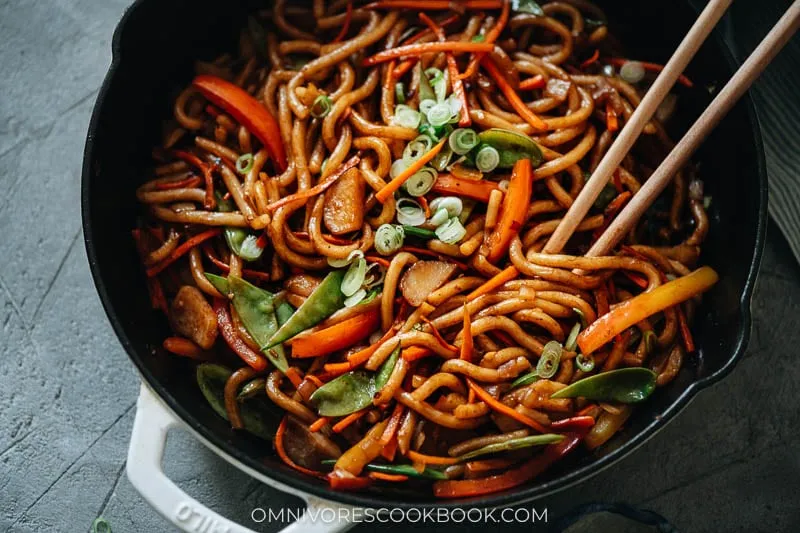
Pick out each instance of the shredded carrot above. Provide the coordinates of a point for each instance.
(503, 337)
(512, 96)
(413, 353)
(426, 208)
(315, 380)
(185, 348)
(407, 64)
(587, 411)
(393, 425)
(318, 424)
(188, 183)
(247, 273)
(209, 202)
(502, 408)
(433, 4)
(380, 260)
(294, 376)
(425, 48)
(317, 189)
(653, 67)
(386, 192)
(362, 356)
(387, 477)
(638, 280)
(436, 333)
(181, 250)
(342, 424)
(285, 457)
(686, 333)
(346, 25)
(404, 67)
(431, 459)
(536, 82)
(496, 281)
(490, 37)
(591, 60)
(388, 451)
(468, 343)
(612, 122)
(617, 180)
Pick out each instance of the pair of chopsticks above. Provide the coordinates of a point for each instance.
(679, 156)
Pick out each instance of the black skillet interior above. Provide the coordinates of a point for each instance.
(154, 48)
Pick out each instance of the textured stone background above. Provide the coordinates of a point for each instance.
(729, 463)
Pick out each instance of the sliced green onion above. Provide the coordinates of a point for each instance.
(421, 182)
(439, 114)
(370, 280)
(356, 298)
(321, 106)
(397, 167)
(399, 93)
(418, 232)
(585, 363)
(440, 89)
(487, 159)
(416, 149)
(572, 340)
(478, 39)
(249, 249)
(548, 362)
(463, 140)
(439, 217)
(452, 204)
(469, 204)
(434, 75)
(426, 105)
(409, 212)
(451, 231)
(436, 133)
(101, 525)
(244, 164)
(341, 263)
(527, 6)
(455, 106)
(632, 72)
(441, 160)
(525, 379)
(584, 322)
(406, 117)
(388, 239)
(438, 83)
(354, 277)
(456, 162)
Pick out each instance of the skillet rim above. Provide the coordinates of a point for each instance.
(512, 497)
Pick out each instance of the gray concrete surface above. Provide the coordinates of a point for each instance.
(67, 390)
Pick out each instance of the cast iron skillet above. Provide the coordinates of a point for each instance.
(153, 50)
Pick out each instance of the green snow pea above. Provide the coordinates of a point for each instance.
(511, 146)
(513, 444)
(625, 385)
(326, 299)
(353, 391)
(252, 389)
(241, 242)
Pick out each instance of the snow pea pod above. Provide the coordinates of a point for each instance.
(252, 389)
(512, 146)
(256, 311)
(353, 391)
(625, 385)
(284, 312)
(241, 242)
(513, 444)
(260, 416)
(326, 299)
(403, 470)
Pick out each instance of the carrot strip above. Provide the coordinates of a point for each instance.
(592, 59)
(346, 25)
(644, 305)
(426, 207)
(467, 345)
(403, 67)
(388, 452)
(536, 82)
(393, 425)
(686, 333)
(425, 48)
(349, 419)
(638, 280)
(497, 280)
(502, 408)
(185, 348)
(337, 337)
(181, 250)
(318, 424)
(512, 96)
(285, 457)
(413, 353)
(436, 333)
(314, 379)
(317, 189)
(380, 260)
(386, 192)
(191, 181)
(653, 67)
(490, 37)
(247, 273)
(431, 459)
(294, 376)
(476, 189)
(452, 68)
(387, 477)
(612, 123)
(209, 202)
(407, 64)
(433, 4)
(512, 212)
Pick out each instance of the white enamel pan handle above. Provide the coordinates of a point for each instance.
(148, 439)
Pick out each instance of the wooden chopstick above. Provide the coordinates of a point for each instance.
(720, 106)
(633, 127)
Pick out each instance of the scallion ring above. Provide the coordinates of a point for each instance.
(572, 340)
(442, 159)
(388, 239)
(101, 525)
(416, 149)
(409, 212)
(421, 182)
(584, 322)
(397, 167)
(478, 39)
(452, 204)
(370, 279)
(440, 114)
(584, 363)
(406, 117)
(426, 105)
(321, 106)
(439, 217)
(548, 363)
(463, 140)
(341, 263)
(632, 72)
(487, 159)
(356, 298)
(399, 93)
(451, 231)
(434, 75)
(354, 277)
(244, 164)
(455, 106)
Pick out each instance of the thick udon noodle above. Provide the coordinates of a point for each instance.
(427, 403)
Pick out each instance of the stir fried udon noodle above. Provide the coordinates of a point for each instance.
(345, 229)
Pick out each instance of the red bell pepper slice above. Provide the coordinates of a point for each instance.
(247, 111)
(576, 423)
(255, 360)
